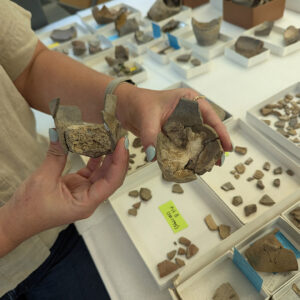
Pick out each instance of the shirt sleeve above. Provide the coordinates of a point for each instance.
(17, 40)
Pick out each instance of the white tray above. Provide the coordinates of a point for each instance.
(255, 118)
(222, 270)
(272, 282)
(187, 70)
(231, 54)
(188, 40)
(275, 41)
(88, 19)
(293, 5)
(286, 216)
(286, 292)
(150, 232)
(261, 150)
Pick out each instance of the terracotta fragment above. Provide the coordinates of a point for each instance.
(142, 38)
(179, 262)
(191, 251)
(240, 168)
(250, 209)
(258, 174)
(134, 193)
(137, 143)
(277, 171)
(160, 10)
(224, 231)
(79, 47)
(248, 46)
(265, 29)
(260, 184)
(225, 292)
(63, 35)
(267, 166)
(227, 186)
(196, 62)
(290, 172)
(170, 26)
(181, 251)
(171, 254)
(296, 289)
(240, 150)
(276, 182)
(237, 200)
(183, 58)
(125, 26)
(210, 222)
(132, 211)
(268, 255)
(137, 205)
(145, 194)
(266, 200)
(249, 161)
(291, 35)
(184, 241)
(176, 188)
(166, 267)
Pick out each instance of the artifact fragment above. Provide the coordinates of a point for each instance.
(237, 200)
(225, 292)
(137, 143)
(142, 38)
(195, 62)
(132, 211)
(179, 262)
(277, 171)
(291, 35)
(284, 118)
(227, 186)
(79, 47)
(240, 150)
(137, 205)
(236, 176)
(63, 35)
(183, 58)
(181, 251)
(224, 231)
(249, 161)
(264, 29)
(266, 111)
(260, 184)
(207, 33)
(145, 194)
(170, 26)
(191, 251)
(124, 25)
(94, 46)
(296, 289)
(171, 254)
(184, 241)
(258, 174)
(161, 10)
(268, 122)
(250, 209)
(186, 146)
(131, 161)
(266, 200)
(284, 133)
(276, 182)
(290, 172)
(121, 53)
(240, 168)
(268, 255)
(279, 124)
(134, 193)
(166, 267)
(210, 222)
(248, 46)
(250, 178)
(267, 166)
(105, 15)
(176, 188)
(295, 217)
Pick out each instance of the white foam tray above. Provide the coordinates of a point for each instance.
(261, 150)
(255, 119)
(187, 70)
(88, 19)
(231, 54)
(272, 282)
(293, 5)
(286, 216)
(275, 41)
(188, 40)
(47, 41)
(222, 270)
(286, 292)
(150, 232)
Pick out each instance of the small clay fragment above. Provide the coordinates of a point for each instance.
(145, 194)
(284, 118)
(183, 58)
(296, 289)
(63, 35)
(181, 251)
(240, 168)
(170, 26)
(177, 189)
(132, 155)
(184, 241)
(248, 46)
(279, 124)
(290, 172)
(276, 182)
(260, 184)
(171, 254)
(179, 262)
(266, 200)
(227, 186)
(277, 171)
(250, 209)
(94, 46)
(224, 231)
(291, 35)
(266, 111)
(225, 292)
(240, 150)
(132, 211)
(210, 222)
(268, 122)
(248, 161)
(131, 161)
(237, 200)
(283, 132)
(166, 267)
(78, 47)
(250, 178)
(267, 166)
(191, 251)
(236, 176)
(258, 174)
(133, 194)
(137, 143)
(195, 62)
(137, 205)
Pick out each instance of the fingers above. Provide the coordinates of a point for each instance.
(91, 166)
(111, 174)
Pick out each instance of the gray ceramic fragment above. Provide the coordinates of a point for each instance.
(276, 182)
(227, 186)
(170, 26)
(266, 200)
(248, 46)
(63, 35)
(250, 209)
(160, 10)
(237, 200)
(277, 171)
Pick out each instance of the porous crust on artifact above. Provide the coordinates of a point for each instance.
(177, 189)
(224, 231)
(179, 262)
(210, 222)
(248, 46)
(186, 146)
(237, 200)
(160, 10)
(171, 254)
(191, 251)
(250, 209)
(225, 292)
(166, 267)
(268, 255)
(227, 186)
(63, 35)
(240, 150)
(145, 194)
(132, 211)
(133, 193)
(184, 241)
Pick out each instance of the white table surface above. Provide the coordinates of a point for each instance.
(233, 87)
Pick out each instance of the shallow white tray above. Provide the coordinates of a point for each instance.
(255, 118)
(286, 292)
(273, 281)
(150, 232)
(286, 216)
(188, 40)
(231, 54)
(222, 270)
(187, 70)
(88, 19)
(47, 41)
(261, 150)
(293, 5)
(182, 27)
(105, 44)
(275, 41)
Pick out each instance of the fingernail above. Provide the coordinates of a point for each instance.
(53, 135)
(126, 142)
(150, 152)
(222, 160)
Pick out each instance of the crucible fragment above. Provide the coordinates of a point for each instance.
(248, 46)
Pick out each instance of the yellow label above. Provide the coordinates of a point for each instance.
(53, 45)
(226, 153)
(132, 69)
(173, 217)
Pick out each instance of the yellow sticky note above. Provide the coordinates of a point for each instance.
(173, 216)
(53, 45)
(226, 153)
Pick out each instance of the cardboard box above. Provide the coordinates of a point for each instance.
(248, 17)
(194, 3)
(80, 4)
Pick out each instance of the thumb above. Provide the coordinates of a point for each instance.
(56, 158)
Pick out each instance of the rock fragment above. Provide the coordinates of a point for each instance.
(276, 182)
(137, 205)
(225, 292)
(240, 168)
(171, 254)
(258, 174)
(250, 209)
(266, 200)
(181, 251)
(145, 194)
(210, 222)
(240, 150)
(227, 186)
(133, 194)
(166, 267)
(184, 241)
(177, 189)
(277, 171)
(248, 161)
(260, 185)
(224, 231)
(132, 211)
(191, 251)
(179, 262)
(267, 166)
(237, 200)
(137, 143)
(290, 172)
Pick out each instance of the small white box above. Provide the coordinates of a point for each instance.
(231, 54)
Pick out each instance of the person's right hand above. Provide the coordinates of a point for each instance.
(47, 199)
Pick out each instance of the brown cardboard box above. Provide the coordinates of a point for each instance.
(194, 3)
(80, 4)
(248, 17)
